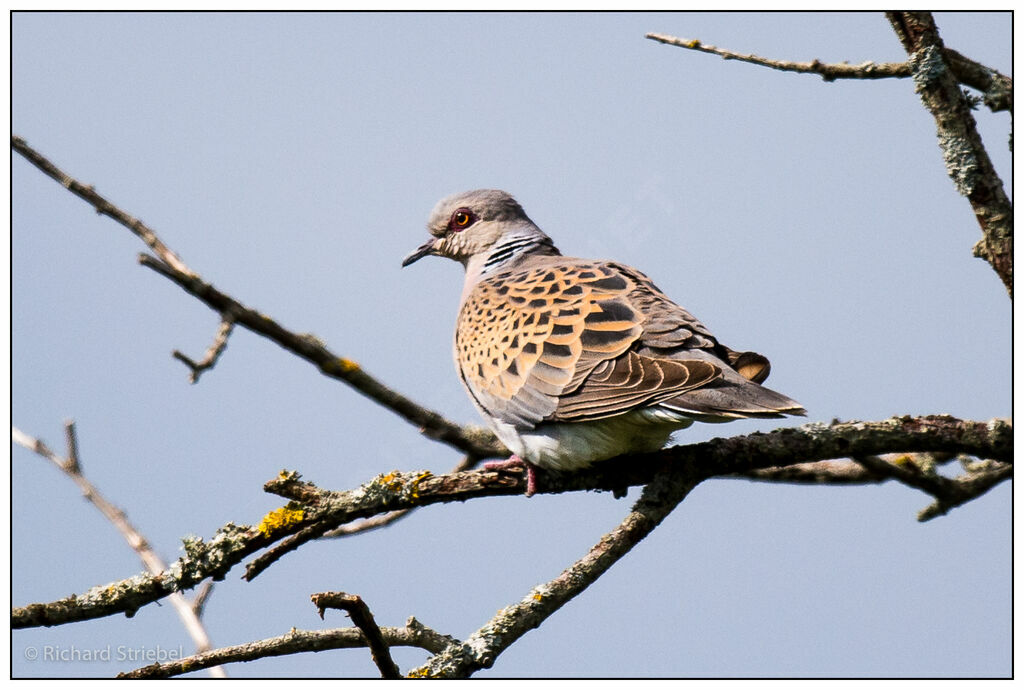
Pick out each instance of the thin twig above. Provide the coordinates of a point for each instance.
(102, 206)
(967, 161)
(360, 614)
(326, 510)
(71, 466)
(819, 472)
(201, 597)
(996, 87)
(837, 472)
(286, 546)
(213, 353)
(971, 486)
(469, 439)
(414, 634)
(828, 71)
(948, 493)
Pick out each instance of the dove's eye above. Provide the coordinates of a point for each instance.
(461, 219)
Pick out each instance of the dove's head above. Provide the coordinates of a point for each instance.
(487, 224)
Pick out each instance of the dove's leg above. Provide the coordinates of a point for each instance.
(516, 461)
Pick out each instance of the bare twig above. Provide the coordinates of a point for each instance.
(967, 161)
(971, 486)
(102, 206)
(72, 464)
(209, 360)
(326, 510)
(837, 471)
(997, 87)
(948, 493)
(469, 439)
(201, 597)
(414, 634)
(819, 472)
(286, 546)
(153, 563)
(360, 614)
(828, 71)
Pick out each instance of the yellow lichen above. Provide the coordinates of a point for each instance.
(347, 366)
(415, 489)
(282, 518)
(391, 481)
(402, 484)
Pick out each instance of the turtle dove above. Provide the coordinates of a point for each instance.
(571, 361)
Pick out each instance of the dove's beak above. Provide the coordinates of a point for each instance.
(424, 249)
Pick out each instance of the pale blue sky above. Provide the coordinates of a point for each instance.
(292, 160)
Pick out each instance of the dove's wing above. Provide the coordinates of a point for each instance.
(560, 340)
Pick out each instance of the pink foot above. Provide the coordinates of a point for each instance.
(516, 461)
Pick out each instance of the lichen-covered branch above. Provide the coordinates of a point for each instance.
(317, 511)
(202, 560)
(379, 521)
(472, 440)
(996, 87)
(414, 634)
(967, 161)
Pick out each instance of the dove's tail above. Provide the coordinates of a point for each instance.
(733, 400)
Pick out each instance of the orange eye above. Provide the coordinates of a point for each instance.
(461, 219)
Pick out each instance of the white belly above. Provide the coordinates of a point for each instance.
(572, 446)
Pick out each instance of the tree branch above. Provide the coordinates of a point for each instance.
(967, 161)
(361, 616)
(819, 472)
(948, 493)
(996, 87)
(214, 352)
(828, 72)
(321, 511)
(414, 634)
(838, 471)
(469, 439)
(88, 194)
(369, 524)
